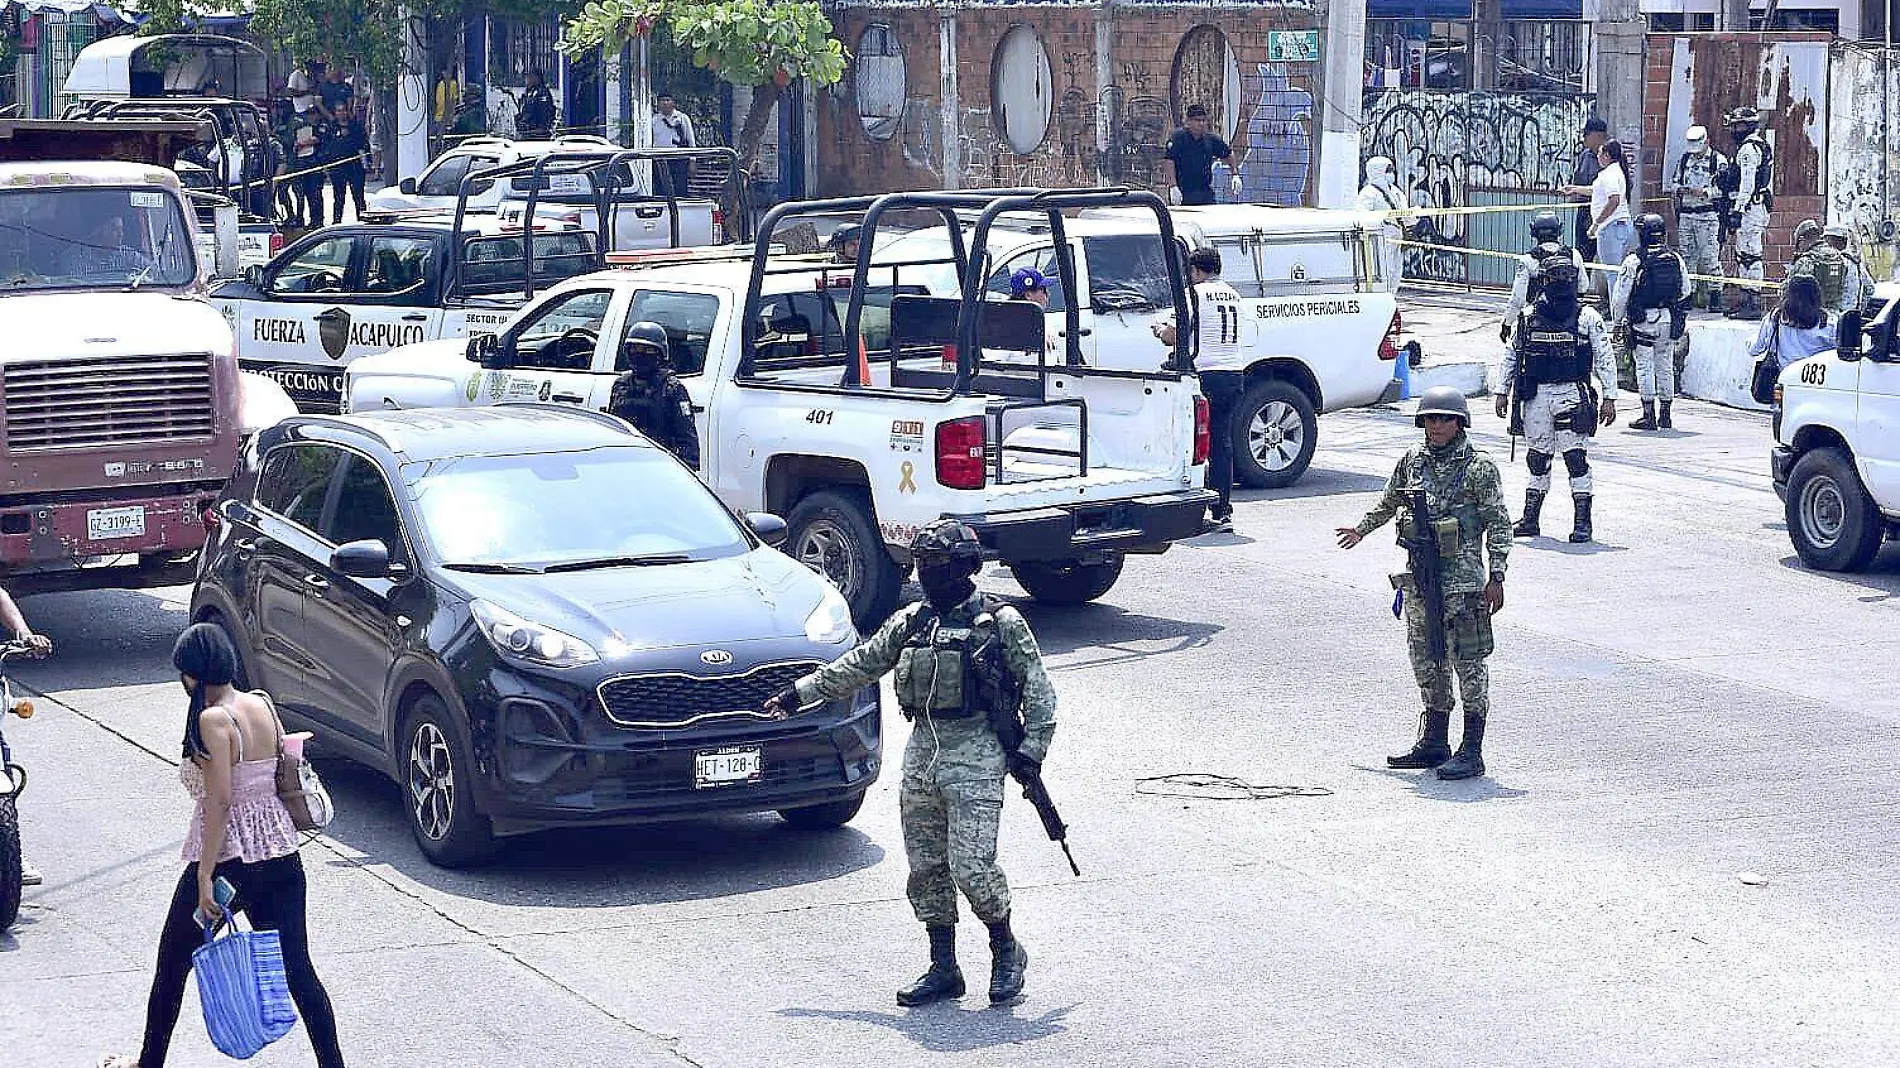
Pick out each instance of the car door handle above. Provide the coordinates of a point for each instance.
(569, 398)
(417, 317)
(244, 546)
(316, 582)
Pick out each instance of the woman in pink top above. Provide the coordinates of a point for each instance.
(240, 832)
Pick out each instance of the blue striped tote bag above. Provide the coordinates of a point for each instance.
(242, 988)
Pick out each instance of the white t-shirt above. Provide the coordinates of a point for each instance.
(666, 136)
(302, 99)
(1219, 309)
(1609, 183)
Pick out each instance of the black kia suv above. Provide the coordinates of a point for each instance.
(530, 616)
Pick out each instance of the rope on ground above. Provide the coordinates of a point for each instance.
(1746, 283)
(1206, 787)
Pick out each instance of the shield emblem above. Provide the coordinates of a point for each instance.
(547, 390)
(333, 330)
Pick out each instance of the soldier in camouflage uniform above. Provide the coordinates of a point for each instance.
(951, 797)
(1465, 496)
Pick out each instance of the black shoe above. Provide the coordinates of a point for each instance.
(1582, 531)
(1009, 965)
(1433, 747)
(1648, 421)
(1220, 524)
(1665, 421)
(944, 980)
(1468, 763)
(1533, 505)
(1748, 307)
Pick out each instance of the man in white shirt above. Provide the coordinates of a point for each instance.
(1222, 368)
(672, 129)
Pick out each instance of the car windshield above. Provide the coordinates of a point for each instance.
(93, 237)
(613, 506)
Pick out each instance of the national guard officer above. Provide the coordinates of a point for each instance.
(1465, 498)
(1651, 302)
(1699, 213)
(1858, 290)
(1547, 236)
(1556, 345)
(649, 397)
(1754, 197)
(951, 796)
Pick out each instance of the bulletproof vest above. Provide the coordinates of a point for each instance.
(642, 402)
(1728, 178)
(1658, 282)
(1534, 288)
(1828, 267)
(935, 669)
(1698, 168)
(1554, 349)
(1764, 172)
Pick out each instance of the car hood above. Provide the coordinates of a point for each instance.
(762, 595)
(38, 325)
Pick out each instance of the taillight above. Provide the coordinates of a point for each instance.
(950, 357)
(719, 217)
(276, 242)
(960, 453)
(1389, 344)
(1203, 430)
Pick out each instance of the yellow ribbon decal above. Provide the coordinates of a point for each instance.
(906, 483)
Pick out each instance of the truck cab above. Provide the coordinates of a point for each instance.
(1836, 458)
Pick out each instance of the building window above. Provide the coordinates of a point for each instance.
(1666, 22)
(1827, 20)
(1021, 90)
(1541, 56)
(879, 78)
(522, 45)
(1418, 54)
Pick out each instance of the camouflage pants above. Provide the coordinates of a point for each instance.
(1748, 242)
(950, 837)
(1701, 249)
(1655, 353)
(1468, 642)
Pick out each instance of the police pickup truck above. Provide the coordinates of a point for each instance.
(1836, 458)
(862, 402)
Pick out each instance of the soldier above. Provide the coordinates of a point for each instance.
(1754, 198)
(1382, 194)
(1464, 495)
(649, 397)
(1556, 346)
(1858, 289)
(1547, 237)
(1699, 213)
(1822, 261)
(1651, 302)
(951, 796)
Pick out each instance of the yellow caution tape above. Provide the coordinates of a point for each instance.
(1484, 209)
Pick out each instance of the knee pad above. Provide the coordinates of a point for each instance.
(1746, 260)
(1538, 462)
(1577, 463)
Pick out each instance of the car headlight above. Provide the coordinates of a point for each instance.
(514, 636)
(830, 622)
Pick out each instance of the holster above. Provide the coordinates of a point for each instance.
(1584, 420)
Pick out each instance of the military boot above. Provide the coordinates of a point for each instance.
(1665, 421)
(944, 980)
(1468, 763)
(1009, 963)
(1648, 421)
(1533, 505)
(1580, 533)
(1433, 746)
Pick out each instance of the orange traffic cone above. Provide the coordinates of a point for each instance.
(864, 363)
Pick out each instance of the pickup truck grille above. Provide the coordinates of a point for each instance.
(108, 400)
(673, 700)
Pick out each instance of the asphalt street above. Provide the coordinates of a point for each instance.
(1683, 854)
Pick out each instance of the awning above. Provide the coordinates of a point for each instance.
(1418, 9)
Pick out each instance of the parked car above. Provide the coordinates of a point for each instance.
(529, 616)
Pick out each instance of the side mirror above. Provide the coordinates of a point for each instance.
(407, 186)
(1849, 342)
(482, 348)
(366, 559)
(769, 528)
(254, 276)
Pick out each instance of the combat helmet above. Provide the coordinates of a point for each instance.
(1652, 230)
(1744, 116)
(1443, 400)
(1546, 226)
(949, 539)
(647, 334)
(1556, 265)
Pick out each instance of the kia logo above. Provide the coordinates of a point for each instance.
(715, 657)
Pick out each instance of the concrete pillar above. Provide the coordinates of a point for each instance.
(1104, 77)
(1618, 38)
(951, 113)
(613, 68)
(1341, 103)
(412, 101)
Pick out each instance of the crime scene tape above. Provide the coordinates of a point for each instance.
(1745, 283)
(1478, 209)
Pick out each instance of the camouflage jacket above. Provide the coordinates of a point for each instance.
(1460, 481)
(929, 677)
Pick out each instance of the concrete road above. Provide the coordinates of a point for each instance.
(1674, 706)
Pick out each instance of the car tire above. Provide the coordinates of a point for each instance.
(1274, 433)
(1833, 523)
(1069, 582)
(833, 533)
(11, 863)
(828, 816)
(435, 771)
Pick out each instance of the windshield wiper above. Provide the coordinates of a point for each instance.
(493, 569)
(652, 560)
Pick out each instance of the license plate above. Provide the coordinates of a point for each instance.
(105, 524)
(721, 767)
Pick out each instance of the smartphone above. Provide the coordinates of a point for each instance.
(223, 893)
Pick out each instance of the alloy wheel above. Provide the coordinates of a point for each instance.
(431, 781)
(1276, 435)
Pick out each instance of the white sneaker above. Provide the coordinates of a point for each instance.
(30, 875)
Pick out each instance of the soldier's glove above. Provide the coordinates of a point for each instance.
(782, 703)
(1504, 333)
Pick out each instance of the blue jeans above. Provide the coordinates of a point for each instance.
(1614, 239)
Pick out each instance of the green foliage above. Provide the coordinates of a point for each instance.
(746, 42)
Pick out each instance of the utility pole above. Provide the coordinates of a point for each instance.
(1732, 17)
(1618, 35)
(1342, 99)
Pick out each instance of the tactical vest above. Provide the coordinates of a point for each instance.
(1451, 501)
(1764, 173)
(644, 404)
(936, 669)
(1706, 169)
(1554, 350)
(1658, 282)
(1828, 267)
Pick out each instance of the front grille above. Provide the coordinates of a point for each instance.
(675, 700)
(108, 400)
(651, 784)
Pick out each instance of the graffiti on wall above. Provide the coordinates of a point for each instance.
(1863, 159)
(1279, 145)
(1448, 146)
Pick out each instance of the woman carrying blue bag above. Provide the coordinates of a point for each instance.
(243, 835)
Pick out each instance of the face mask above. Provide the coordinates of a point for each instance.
(1382, 180)
(944, 582)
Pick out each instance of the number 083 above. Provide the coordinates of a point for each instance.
(1814, 374)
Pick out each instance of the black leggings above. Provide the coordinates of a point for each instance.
(347, 177)
(270, 893)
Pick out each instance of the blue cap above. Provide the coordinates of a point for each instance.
(1024, 279)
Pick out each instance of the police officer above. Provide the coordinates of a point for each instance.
(1857, 289)
(1651, 297)
(1699, 208)
(1222, 370)
(1556, 345)
(951, 795)
(1547, 236)
(1754, 197)
(844, 244)
(1465, 497)
(649, 397)
(1382, 194)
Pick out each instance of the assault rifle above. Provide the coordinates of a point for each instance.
(1002, 696)
(1515, 427)
(1420, 542)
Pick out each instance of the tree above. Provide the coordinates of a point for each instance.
(763, 44)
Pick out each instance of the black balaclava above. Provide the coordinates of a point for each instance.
(646, 362)
(1560, 297)
(946, 582)
(203, 652)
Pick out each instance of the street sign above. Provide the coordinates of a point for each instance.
(1293, 46)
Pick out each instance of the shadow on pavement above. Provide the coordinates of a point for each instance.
(1882, 576)
(1317, 482)
(102, 639)
(1549, 544)
(1427, 785)
(602, 867)
(948, 1028)
(1065, 629)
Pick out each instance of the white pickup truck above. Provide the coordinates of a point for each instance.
(1836, 458)
(930, 409)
